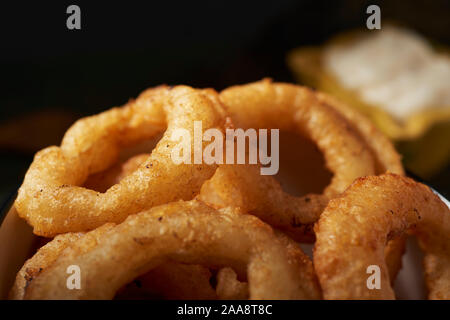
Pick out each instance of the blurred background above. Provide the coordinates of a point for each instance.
(52, 76)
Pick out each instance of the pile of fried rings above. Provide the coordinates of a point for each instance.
(147, 227)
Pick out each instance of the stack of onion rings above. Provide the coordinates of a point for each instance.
(188, 232)
(121, 223)
(287, 107)
(354, 228)
(51, 198)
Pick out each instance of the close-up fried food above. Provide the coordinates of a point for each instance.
(133, 237)
(229, 287)
(386, 157)
(43, 258)
(394, 250)
(51, 198)
(171, 281)
(188, 232)
(220, 160)
(104, 180)
(287, 107)
(354, 228)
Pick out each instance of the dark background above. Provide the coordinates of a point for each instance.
(125, 47)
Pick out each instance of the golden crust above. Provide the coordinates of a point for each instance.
(43, 258)
(289, 107)
(354, 228)
(171, 281)
(188, 232)
(229, 287)
(387, 158)
(104, 180)
(51, 198)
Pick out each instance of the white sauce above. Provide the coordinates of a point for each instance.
(393, 68)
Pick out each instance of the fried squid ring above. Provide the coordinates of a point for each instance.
(48, 254)
(169, 280)
(104, 180)
(386, 157)
(187, 232)
(354, 228)
(229, 287)
(394, 250)
(51, 199)
(41, 260)
(287, 107)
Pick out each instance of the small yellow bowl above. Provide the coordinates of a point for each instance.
(423, 138)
